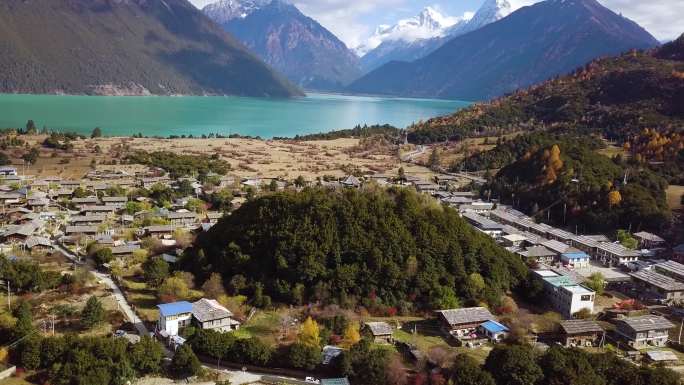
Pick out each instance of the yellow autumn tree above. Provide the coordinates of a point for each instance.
(614, 198)
(351, 336)
(553, 164)
(309, 335)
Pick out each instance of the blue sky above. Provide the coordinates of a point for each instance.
(354, 20)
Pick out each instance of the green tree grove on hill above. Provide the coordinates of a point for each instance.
(380, 248)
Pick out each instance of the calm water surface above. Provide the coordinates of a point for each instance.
(164, 116)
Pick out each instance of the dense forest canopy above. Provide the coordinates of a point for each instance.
(373, 247)
(508, 151)
(580, 186)
(615, 96)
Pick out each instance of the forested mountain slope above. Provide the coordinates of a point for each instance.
(126, 47)
(616, 96)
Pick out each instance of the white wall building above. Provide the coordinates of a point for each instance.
(564, 295)
(174, 316)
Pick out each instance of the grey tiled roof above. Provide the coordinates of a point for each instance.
(578, 326)
(466, 316)
(379, 328)
(647, 322)
(208, 309)
(658, 280)
(81, 229)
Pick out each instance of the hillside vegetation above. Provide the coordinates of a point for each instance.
(617, 96)
(578, 185)
(378, 249)
(104, 47)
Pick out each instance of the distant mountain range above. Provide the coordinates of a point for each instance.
(292, 43)
(125, 47)
(617, 97)
(415, 38)
(532, 44)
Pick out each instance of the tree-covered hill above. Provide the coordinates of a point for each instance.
(374, 248)
(616, 96)
(163, 47)
(580, 186)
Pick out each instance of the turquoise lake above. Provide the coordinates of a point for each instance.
(164, 116)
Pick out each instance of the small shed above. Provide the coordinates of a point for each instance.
(381, 332)
(493, 330)
(662, 357)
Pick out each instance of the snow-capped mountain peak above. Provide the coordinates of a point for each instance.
(427, 24)
(490, 11)
(223, 11)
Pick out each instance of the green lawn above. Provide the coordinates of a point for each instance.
(423, 342)
(265, 324)
(144, 300)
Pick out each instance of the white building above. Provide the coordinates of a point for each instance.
(7, 171)
(564, 295)
(614, 254)
(174, 316)
(205, 314)
(575, 258)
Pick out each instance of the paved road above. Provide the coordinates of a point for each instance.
(118, 295)
(237, 377)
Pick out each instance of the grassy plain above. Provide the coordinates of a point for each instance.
(248, 157)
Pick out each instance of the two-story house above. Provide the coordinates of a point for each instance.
(209, 314)
(173, 317)
(644, 331)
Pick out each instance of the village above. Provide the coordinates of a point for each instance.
(592, 292)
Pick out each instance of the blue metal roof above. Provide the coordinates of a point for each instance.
(174, 308)
(494, 327)
(575, 255)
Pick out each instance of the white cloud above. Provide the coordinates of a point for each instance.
(664, 19)
(344, 18)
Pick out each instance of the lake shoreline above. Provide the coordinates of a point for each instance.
(160, 116)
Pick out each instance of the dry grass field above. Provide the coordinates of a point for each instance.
(248, 157)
